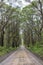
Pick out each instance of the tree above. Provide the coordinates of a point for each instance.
(34, 22)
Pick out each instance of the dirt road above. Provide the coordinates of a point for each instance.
(22, 57)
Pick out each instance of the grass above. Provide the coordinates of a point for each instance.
(4, 50)
(37, 49)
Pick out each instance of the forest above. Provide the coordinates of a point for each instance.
(29, 20)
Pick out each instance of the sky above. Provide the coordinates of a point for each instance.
(19, 3)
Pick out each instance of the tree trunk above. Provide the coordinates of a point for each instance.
(2, 38)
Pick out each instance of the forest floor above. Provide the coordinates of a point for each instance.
(22, 57)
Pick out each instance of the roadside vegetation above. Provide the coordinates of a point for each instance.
(36, 49)
(4, 50)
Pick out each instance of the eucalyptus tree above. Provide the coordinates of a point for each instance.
(12, 29)
(28, 11)
(33, 18)
(5, 12)
(38, 6)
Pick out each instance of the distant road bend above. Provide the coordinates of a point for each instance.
(22, 57)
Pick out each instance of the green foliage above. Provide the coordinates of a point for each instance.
(37, 49)
(4, 50)
(9, 28)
